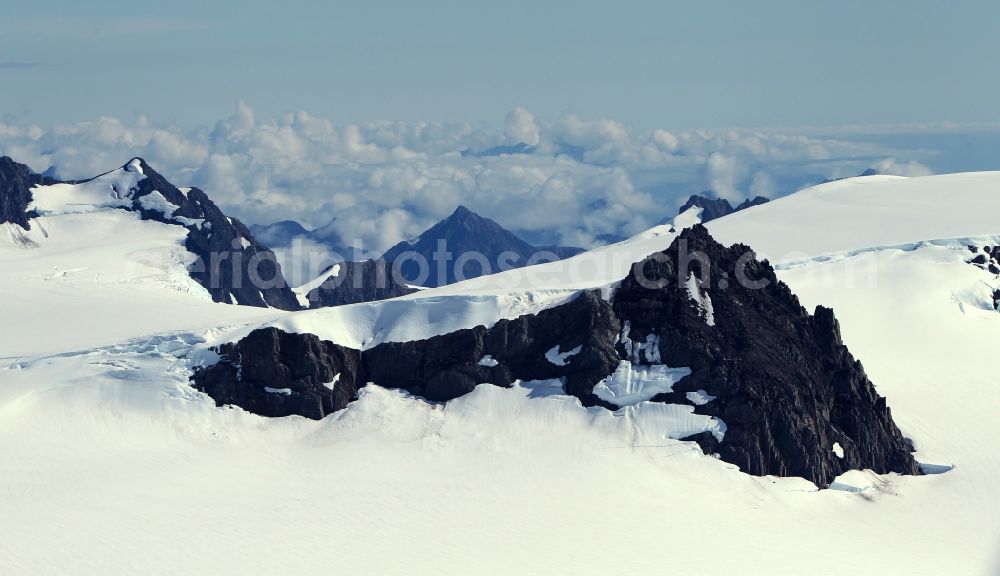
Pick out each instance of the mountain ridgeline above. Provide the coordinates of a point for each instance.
(713, 208)
(793, 399)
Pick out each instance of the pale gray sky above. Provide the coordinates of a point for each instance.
(678, 65)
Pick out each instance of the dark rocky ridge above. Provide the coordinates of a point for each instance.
(713, 208)
(465, 232)
(785, 384)
(364, 281)
(16, 182)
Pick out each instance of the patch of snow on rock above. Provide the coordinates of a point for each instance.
(838, 450)
(488, 361)
(700, 397)
(701, 299)
(631, 384)
(560, 358)
(332, 383)
(156, 202)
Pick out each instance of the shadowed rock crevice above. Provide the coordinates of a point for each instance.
(794, 400)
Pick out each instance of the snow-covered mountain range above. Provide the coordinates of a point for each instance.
(684, 415)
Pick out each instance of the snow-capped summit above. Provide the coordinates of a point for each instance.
(211, 237)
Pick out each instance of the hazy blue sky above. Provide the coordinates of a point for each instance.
(669, 64)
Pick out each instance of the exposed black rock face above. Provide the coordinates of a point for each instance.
(274, 373)
(786, 387)
(713, 208)
(364, 281)
(449, 366)
(462, 234)
(438, 369)
(16, 182)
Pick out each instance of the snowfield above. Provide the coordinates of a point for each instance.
(111, 464)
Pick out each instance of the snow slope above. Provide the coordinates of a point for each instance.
(111, 464)
(872, 211)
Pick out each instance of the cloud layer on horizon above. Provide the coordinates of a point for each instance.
(584, 180)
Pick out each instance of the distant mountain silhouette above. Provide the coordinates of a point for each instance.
(279, 233)
(472, 238)
(712, 208)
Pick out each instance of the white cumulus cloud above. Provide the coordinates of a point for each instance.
(379, 183)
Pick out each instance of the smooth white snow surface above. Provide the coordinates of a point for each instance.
(111, 464)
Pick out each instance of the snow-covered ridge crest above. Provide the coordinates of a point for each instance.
(113, 189)
(227, 261)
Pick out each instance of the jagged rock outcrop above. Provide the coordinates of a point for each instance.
(275, 373)
(785, 384)
(713, 208)
(475, 246)
(439, 369)
(353, 282)
(988, 260)
(794, 400)
(16, 182)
